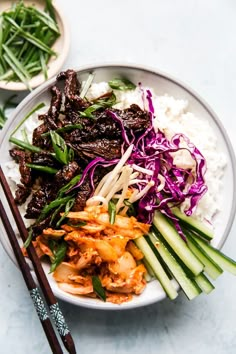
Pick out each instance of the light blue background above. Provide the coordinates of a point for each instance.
(193, 40)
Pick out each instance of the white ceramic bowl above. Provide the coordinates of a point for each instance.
(162, 84)
(61, 46)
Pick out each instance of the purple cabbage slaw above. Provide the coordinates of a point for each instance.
(152, 150)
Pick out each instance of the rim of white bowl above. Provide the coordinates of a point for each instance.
(90, 67)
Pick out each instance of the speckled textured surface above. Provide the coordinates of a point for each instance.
(194, 41)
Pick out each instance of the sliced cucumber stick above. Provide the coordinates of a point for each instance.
(177, 244)
(211, 267)
(221, 259)
(190, 288)
(156, 267)
(204, 283)
(194, 224)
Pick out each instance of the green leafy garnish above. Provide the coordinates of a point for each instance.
(103, 102)
(63, 154)
(59, 252)
(112, 212)
(98, 288)
(121, 84)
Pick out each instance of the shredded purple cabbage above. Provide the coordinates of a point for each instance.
(153, 152)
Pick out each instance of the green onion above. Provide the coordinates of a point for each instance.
(68, 207)
(66, 128)
(24, 145)
(55, 213)
(54, 204)
(131, 210)
(68, 186)
(16, 62)
(15, 69)
(24, 136)
(63, 154)
(45, 169)
(29, 238)
(44, 66)
(59, 252)
(1, 35)
(121, 84)
(112, 212)
(45, 18)
(32, 39)
(99, 103)
(26, 36)
(98, 288)
(49, 9)
(79, 224)
(87, 85)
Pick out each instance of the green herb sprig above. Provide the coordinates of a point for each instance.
(62, 153)
(112, 212)
(59, 252)
(103, 102)
(98, 288)
(121, 84)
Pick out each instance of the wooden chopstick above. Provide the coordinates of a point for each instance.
(54, 308)
(30, 283)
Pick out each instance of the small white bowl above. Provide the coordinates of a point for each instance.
(163, 84)
(61, 47)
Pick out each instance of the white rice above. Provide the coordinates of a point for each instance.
(171, 117)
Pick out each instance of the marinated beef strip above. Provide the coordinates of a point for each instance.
(50, 119)
(134, 118)
(21, 194)
(23, 190)
(66, 174)
(23, 157)
(108, 149)
(85, 190)
(73, 102)
(44, 158)
(40, 198)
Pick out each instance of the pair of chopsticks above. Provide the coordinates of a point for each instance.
(38, 301)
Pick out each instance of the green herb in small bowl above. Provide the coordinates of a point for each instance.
(32, 35)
